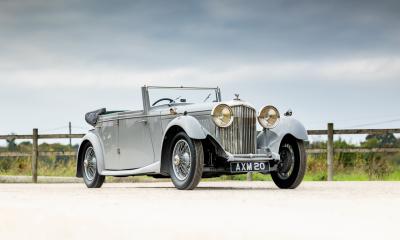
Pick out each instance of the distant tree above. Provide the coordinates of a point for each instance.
(25, 143)
(383, 140)
(11, 145)
(25, 146)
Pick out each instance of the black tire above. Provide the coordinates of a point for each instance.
(196, 158)
(97, 180)
(291, 171)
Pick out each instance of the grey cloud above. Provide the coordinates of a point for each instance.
(162, 34)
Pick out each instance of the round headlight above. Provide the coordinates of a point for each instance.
(269, 117)
(222, 115)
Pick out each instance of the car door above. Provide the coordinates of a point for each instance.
(108, 132)
(135, 145)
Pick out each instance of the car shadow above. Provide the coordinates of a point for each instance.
(236, 188)
(203, 188)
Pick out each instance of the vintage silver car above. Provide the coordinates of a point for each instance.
(188, 133)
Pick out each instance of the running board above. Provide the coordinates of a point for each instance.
(152, 168)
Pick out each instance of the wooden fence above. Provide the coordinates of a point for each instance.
(35, 147)
(330, 132)
(330, 150)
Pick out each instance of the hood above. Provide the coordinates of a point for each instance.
(199, 107)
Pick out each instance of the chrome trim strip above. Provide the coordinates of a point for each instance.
(152, 168)
(118, 117)
(182, 87)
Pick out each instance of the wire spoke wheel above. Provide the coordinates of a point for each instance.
(292, 166)
(181, 160)
(186, 160)
(286, 165)
(90, 164)
(87, 160)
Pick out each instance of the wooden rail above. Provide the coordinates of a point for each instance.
(354, 131)
(41, 154)
(42, 136)
(330, 150)
(355, 150)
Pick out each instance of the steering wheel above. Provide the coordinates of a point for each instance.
(163, 99)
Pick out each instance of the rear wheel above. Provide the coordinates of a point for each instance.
(292, 166)
(91, 177)
(186, 161)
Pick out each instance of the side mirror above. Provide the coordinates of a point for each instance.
(288, 113)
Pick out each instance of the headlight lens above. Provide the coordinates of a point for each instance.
(222, 115)
(269, 117)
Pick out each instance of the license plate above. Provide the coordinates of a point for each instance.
(249, 167)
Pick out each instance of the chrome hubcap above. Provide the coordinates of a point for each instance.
(181, 159)
(90, 164)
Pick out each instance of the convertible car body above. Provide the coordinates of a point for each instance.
(189, 133)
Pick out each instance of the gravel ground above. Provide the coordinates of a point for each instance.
(215, 210)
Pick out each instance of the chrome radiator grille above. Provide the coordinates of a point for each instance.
(240, 137)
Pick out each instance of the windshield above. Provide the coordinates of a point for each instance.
(161, 96)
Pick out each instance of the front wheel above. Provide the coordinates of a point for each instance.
(186, 161)
(292, 167)
(91, 177)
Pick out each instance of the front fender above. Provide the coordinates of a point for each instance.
(272, 138)
(190, 125)
(93, 139)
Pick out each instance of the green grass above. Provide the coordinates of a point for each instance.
(394, 176)
(22, 167)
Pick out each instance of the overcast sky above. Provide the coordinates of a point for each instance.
(330, 62)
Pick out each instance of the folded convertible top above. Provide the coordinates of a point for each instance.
(92, 117)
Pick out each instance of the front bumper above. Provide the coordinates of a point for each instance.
(259, 157)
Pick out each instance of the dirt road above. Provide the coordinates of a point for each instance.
(215, 210)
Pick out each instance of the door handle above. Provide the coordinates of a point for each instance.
(142, 121)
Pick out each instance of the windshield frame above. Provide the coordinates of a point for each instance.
(146, 97)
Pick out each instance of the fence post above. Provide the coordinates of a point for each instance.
(35, 155)
(70, 132)
(249, 176)
(330, 152)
